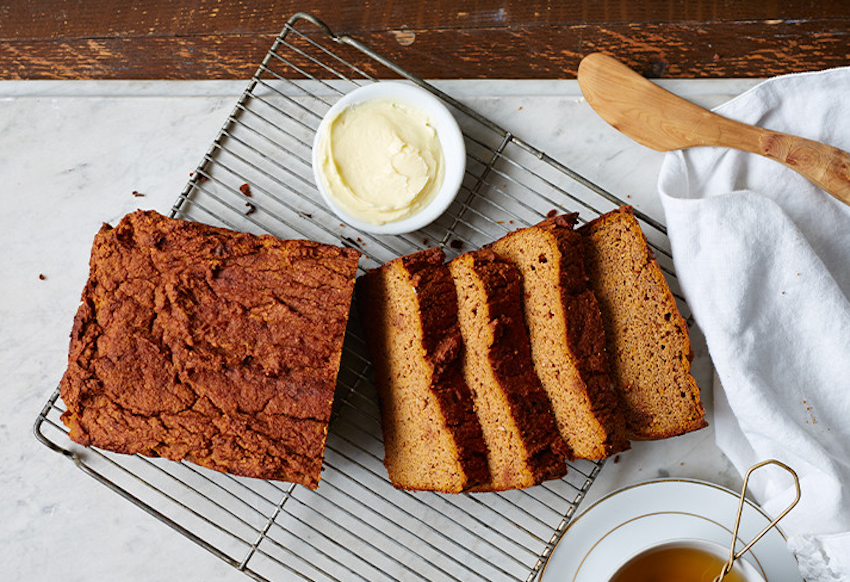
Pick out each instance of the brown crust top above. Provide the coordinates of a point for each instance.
(565, 221)
(218, 347)
(652, 374)
(510, 359)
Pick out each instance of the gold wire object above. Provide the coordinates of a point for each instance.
(727, 567)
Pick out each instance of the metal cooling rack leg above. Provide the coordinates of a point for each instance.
(262, 535)
(42, 438)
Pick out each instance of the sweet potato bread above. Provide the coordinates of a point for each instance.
(432, 439)
(647, 339)
(199, 343)
(567, 338)
(523, 443)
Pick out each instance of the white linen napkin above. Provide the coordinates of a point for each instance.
(763, 258)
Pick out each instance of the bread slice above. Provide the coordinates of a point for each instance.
(523, 443)
(567, 342)
(647, 339)
(432, 438)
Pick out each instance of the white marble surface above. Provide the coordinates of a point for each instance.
(71, 155)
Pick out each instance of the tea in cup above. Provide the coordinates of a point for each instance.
(684, 561)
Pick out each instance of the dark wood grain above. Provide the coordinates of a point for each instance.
(206, 39)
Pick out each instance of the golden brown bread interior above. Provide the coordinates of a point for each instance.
(567, 341)
(523, 443)
(647, 339)
(432, 438)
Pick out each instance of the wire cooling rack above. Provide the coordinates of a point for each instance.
(356, 526)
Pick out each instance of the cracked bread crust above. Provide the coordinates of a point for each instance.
(203, 344)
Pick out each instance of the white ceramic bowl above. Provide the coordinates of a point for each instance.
(451, 141)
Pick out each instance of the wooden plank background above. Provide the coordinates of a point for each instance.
(209, 39)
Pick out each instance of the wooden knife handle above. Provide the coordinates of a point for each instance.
(826, 166)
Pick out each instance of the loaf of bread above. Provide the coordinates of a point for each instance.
(432, 438)
(202, 344)
(567, 338)
(647, 339)
(523, 443)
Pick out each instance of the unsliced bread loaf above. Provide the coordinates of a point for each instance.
(524, 446)
(432, 438)
(647, 339)
(218, 347)
(567, 340)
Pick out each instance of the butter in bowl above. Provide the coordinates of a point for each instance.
(388, 158)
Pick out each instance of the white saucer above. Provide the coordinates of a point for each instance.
(644, 515)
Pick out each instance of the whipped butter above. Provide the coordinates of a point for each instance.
(381, 160)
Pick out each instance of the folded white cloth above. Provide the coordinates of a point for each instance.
(763, 258)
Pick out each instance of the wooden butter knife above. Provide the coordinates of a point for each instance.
(658, 119)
